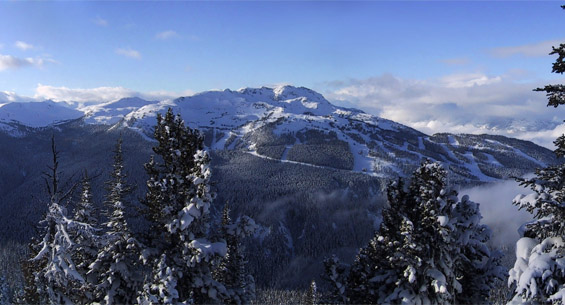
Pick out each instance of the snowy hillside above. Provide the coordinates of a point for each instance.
(299, 126)
(35, 114)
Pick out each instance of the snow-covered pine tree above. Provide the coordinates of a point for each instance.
(30, 292)
(55, 272)
(232, 268)
(411, 259)
(312, 297)
(538, 276)
(370, 277)
(477, 267)
(336, 275)
(117, 265)
(427, 243)
(86, 245)
(178, 202)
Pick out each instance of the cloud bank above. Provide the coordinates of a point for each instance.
(497, 209)
(100, 94)
(458, 103)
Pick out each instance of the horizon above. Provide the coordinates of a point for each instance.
(440, 66)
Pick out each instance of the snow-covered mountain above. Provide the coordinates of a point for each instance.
(35, 114)
(299, 126)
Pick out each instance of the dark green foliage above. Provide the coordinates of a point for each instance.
(176, 148)
(116, 267)
(556, 93)
(231, 270)
(429, 245)
(86, 245)
(538, 276)
(178, 202)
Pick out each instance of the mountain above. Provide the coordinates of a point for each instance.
(34, 114)
(298, 125)
(311, 173)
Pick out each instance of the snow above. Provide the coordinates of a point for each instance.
(492, 160)
(207, 248)
(475, 170)
(452, 141)
(421, 145)
(443, 220)
(37, 114)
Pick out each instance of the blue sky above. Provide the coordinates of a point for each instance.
(380, 56)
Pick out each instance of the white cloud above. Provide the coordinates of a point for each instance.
(498, 212)
(100, 94)
(460, 103)
(100, 21)
(129, 53)
(468, 80)
(166, 35)
(531, 50)
(10, 96)
(12, 62)
(23, 45)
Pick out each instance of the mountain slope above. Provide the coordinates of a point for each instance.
(35, 114)
(299, 126)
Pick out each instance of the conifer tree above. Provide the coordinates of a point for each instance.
(86, 245)
(55, 272)
(232, 268)
(178, 202)
(116, 265)
(428, 242)
(478, 268)
(312, 297)
(336, 275)
(538, 276)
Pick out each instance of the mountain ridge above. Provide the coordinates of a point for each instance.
(298, 125)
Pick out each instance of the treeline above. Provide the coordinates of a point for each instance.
(82, 259)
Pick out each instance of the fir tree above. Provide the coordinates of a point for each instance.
(428, 246)
(232, 269)
(86, 245)
(116, 264)
(538, 276)
(55, 272)
(336, 275)
(477, 267)
(178, 202)
(312, 297)
(30, 292)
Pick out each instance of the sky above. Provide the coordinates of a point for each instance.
(437, 66)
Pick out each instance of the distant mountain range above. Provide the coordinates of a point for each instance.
(297, 125)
